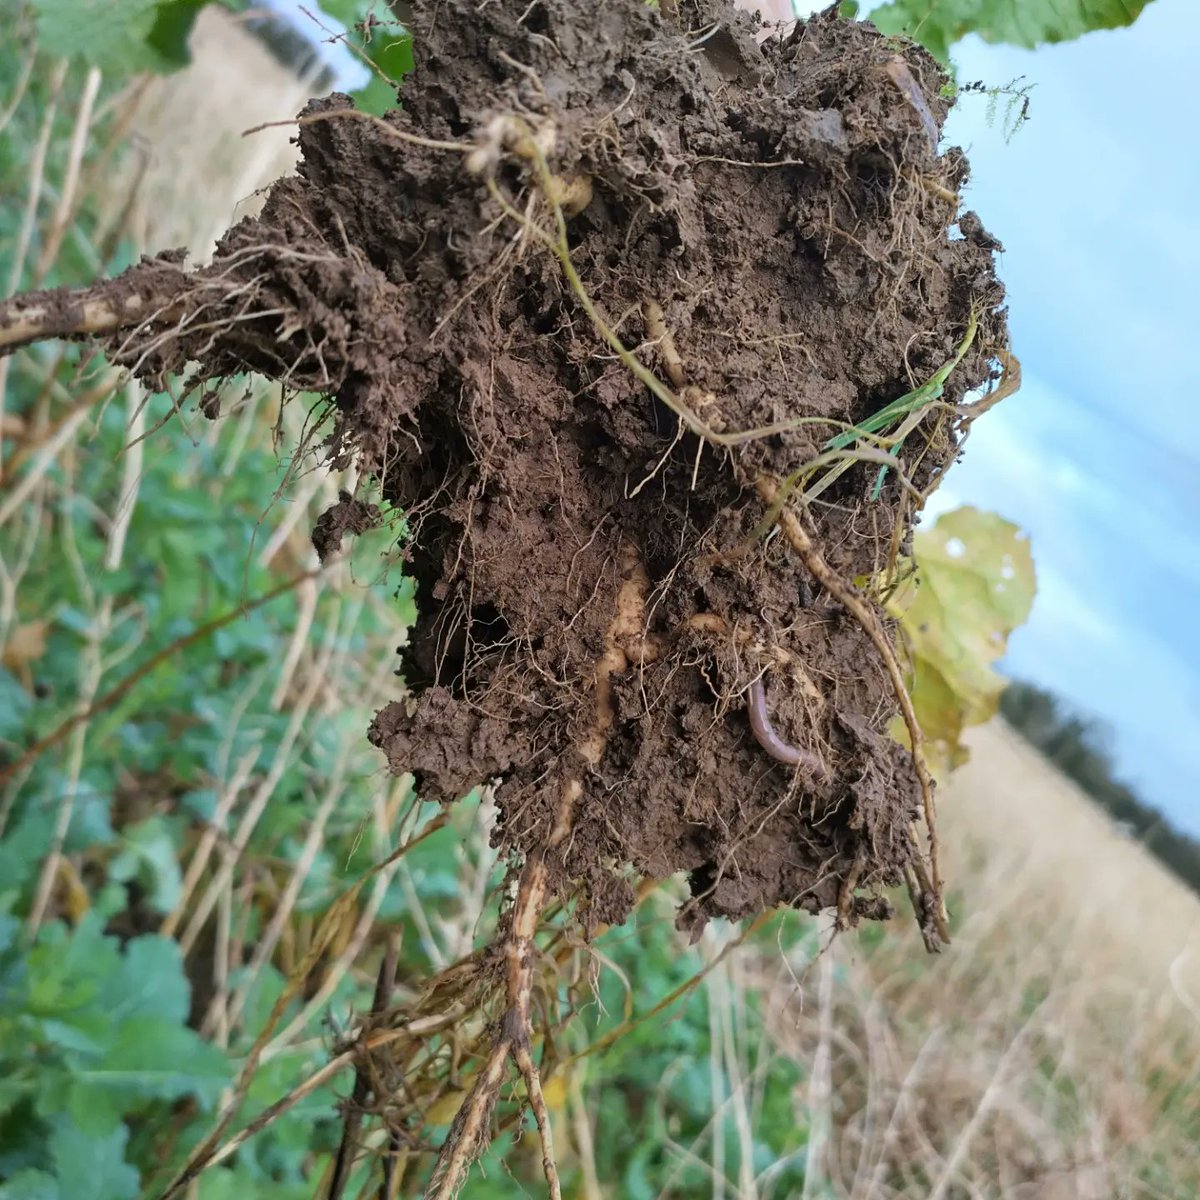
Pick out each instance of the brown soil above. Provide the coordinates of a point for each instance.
(588, 631)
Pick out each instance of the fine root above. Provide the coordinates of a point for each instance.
(929, 899)
(517, 949)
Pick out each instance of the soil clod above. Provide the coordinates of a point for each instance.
(581, 305)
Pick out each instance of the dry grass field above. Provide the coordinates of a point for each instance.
(1053, 1051)
(194, 169)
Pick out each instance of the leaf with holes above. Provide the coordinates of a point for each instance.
(974, 585)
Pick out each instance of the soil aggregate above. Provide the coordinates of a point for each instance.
(767, 225)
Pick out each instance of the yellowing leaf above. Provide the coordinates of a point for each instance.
(443, 1111)
(26, 644)
(975, 584)
(554, 1090)
(74, 895)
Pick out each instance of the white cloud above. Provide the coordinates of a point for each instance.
(1094, 199)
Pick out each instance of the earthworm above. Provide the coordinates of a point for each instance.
(770, 741)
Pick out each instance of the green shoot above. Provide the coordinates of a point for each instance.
(918, 401)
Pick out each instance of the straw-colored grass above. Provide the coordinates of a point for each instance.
(195, 171)
(1053, 1051)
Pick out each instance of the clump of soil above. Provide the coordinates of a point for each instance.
(766, 226)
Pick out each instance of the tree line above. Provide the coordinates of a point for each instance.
(1079, 746)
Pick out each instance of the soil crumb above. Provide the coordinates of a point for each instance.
(347, 516)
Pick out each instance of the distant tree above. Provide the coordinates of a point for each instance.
(1081, 748)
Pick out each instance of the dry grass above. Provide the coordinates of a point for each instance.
(192, 170)
(1053, 1051)
(1120, 910)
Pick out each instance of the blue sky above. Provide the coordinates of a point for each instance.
(1095, 199)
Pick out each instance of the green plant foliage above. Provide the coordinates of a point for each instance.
(120, 37)
(663, 1081)
(974, 583)
(105, 1076)
(384, 42)
(92, 1035)
(938, 24)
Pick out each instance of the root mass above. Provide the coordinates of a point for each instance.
(546, 299)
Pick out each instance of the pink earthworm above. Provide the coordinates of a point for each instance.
(770, 741)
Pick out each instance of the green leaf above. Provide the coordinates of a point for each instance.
(392, 53)
(30, 1185)
(121, 37)
(150, 982)
(110, 34)
(388, 46)
(22, 849)
(938, 24)
(91, 823)
(376, 98)
(150, 1059)
(168, 36)
(22, 1140)
(116, 1020)
(91, 1168)
(237, 1183)
(14, 705)
(348, 12)
(67, 971)
(148, 855)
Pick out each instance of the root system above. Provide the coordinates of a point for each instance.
(588, 308)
